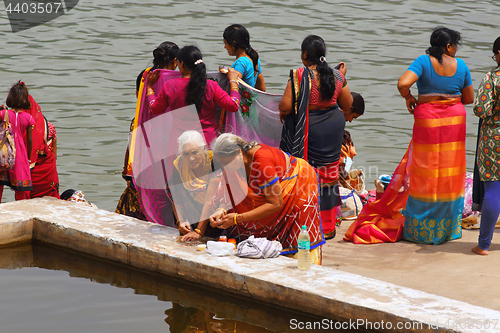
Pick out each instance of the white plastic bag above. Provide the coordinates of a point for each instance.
(220, 248)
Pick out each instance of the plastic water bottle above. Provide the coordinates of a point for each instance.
(304, 241)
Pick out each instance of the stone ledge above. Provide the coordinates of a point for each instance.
(321, 291)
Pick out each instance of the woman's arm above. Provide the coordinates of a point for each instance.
(345, 98)
(404, 83)
(160, 103)
(231, 102)
(484, 104)
(29, 141)
(286, 104)
(54, 147)
(467, 95)
(260, 84)
(274, 203)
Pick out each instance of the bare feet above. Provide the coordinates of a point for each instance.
(480, 251)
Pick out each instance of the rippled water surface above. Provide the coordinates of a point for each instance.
(81, 67)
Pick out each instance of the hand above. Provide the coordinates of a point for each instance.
(284, 114)
(216, 217)
(224, 222)
(153, 77)
(342, 68)
(191, 236)
(411, 102)
(232, 74)
(184, 228)
(2, 107)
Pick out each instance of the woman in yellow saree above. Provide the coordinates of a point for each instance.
(266, 193)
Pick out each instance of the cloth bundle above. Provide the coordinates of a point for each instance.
(258, 248)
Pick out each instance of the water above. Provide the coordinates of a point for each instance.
(81, 67)
(61, 291)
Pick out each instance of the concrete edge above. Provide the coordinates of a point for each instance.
(321, 291)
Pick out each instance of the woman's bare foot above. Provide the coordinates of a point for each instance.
(480, 251)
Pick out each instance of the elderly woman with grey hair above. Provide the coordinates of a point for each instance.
(265, 192)
(191, 187)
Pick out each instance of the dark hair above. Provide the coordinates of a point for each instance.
(496, 45)
(18, 97)
(346, 139)
(358, 103)
(440, 38)
(238, 37)
(192, 58)
(316, 51)
(164, 54)
(67, 194)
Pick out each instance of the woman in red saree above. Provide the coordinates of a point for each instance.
(424, 200)
(43, 155)
(266, 193)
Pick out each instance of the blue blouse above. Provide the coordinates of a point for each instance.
(429, 82)
(244, 65)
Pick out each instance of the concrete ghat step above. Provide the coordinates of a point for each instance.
(322, 291)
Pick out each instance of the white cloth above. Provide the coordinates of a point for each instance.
(258, 248)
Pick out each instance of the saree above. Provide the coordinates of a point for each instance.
(424, 201)
(316, 136)
(299, 186)
(188, 192)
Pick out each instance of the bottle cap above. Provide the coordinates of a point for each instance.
(222, 238)
(304, 227)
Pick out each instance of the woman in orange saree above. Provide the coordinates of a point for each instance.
(424, 201)
(266, 193)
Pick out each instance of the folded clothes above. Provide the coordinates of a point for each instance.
(258, 248)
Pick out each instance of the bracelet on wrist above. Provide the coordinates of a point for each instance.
(198, 231)
(235, 222)
(234, 81)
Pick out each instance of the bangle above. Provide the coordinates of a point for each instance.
(235, 89)
(149, 94)
(408, 95)
(225, 211)
(235, 215)
(198, 231)
(234, 81)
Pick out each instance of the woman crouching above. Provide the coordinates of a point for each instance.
(195, 177)
(266, 193)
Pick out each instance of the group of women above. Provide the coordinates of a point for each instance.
(222, 184)
(34, 173)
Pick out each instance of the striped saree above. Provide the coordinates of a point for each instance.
(424, 201)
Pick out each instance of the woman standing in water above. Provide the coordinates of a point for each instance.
(428, 184)
(247, 64)
(487, 107)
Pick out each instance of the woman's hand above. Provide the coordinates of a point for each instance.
(342, 68)
(184, 228)
(411, 102)
(232, 74)
(224, 221)
(283, 115)
(191, 236)
(216, 217)
(153, 77)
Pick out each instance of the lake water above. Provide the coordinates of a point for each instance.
(81, 67)
(45, 290)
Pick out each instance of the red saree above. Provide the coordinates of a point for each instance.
(299, 187)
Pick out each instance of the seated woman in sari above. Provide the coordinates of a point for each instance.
(314, 124)
(192, 185)
(271, 195)
(428, 184)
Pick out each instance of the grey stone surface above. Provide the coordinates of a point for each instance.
(323, 291)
